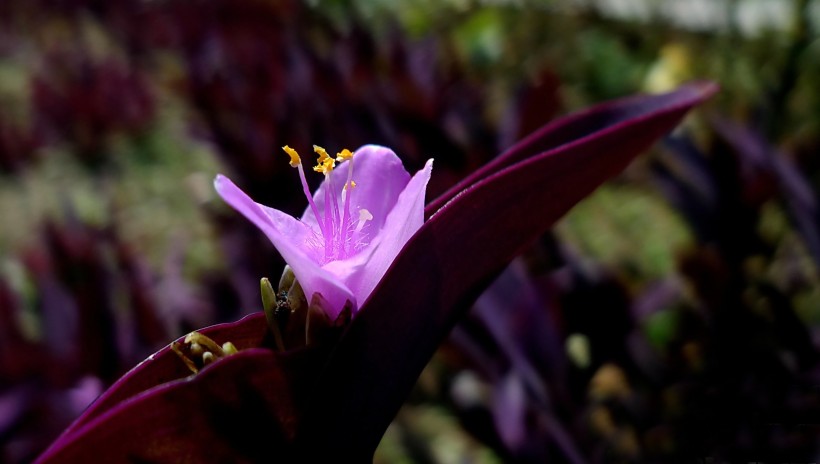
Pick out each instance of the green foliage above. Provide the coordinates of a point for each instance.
(627, 227)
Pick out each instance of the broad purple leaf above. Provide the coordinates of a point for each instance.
(604, 117)
(159, 369)
(165, 366)
(241, 412)
(473, 232)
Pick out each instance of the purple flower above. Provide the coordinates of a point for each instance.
(356, 223)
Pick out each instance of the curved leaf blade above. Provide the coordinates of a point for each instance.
(468, 239)
(241, 410)
(162, 367)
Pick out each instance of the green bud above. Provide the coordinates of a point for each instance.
(269, 306)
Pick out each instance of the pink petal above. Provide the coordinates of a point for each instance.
(291, 239)
(400, 225)
(380, 178)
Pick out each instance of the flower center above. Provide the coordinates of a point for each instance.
(341, 234)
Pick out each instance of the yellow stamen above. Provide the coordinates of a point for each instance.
(294, 157)
(321, 152)
(325, 166)
(351, 184)
(344, 155)
(325, 163)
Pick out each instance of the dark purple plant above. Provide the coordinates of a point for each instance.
(742, 339)
(82, 102)
(334, 401)
(513, 341)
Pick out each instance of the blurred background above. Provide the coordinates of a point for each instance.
(672, 316)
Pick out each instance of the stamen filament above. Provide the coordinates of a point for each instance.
(335, 222)
(337, 245)
(296, 162)
(346, 203)
(309, 196)
(329, 225)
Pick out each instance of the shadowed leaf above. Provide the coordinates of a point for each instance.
(473, 232)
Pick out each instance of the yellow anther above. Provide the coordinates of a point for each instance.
(351, 184)
(294, 157)
(322, 153)
(325, 163)
(325, 166)
(344, 155)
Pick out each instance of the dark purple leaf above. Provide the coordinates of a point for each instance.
(165, 366)
(800, 198)
(160, 383)
(474, 230)
(241, 412)
(596, 120)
